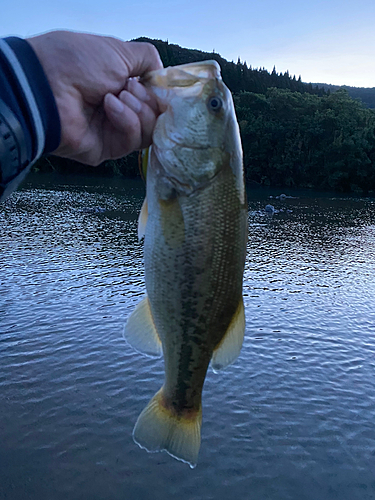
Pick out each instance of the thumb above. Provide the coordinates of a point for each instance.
(140, 57)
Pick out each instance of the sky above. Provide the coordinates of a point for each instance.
(330, 41)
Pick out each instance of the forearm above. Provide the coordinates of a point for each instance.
(29, 120)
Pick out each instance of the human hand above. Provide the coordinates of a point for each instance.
(104, 112)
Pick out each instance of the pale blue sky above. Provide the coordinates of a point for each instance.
(330, 41)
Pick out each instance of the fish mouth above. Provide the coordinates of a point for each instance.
(185, 75)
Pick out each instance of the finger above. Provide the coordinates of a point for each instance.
(145, 114)
(141, 57)
(126, 121)
(137, 89)
(131, 101)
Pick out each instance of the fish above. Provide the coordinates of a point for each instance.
(194, 224)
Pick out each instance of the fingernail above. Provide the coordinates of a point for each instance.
(138, 90)
(114, 103)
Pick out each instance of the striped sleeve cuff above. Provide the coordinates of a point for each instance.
(28, 113)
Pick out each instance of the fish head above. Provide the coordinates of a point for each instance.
(197, 132)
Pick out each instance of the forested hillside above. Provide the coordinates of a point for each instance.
(237, 76)
(302, 140)
(366, 95)
(293, 134)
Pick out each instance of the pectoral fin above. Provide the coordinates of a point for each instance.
(140, 331)
(142, 219)
(230, 346)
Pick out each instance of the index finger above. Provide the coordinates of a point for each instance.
(141, 57)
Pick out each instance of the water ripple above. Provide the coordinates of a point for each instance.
(292, 418)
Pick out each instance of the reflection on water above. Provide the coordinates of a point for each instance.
(293, 418)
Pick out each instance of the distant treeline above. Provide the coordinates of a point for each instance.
(366, 95)
(237, 76)
(293, 133)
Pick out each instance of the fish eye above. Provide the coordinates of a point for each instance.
(214, 103)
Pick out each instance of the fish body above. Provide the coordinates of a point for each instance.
(194, 221)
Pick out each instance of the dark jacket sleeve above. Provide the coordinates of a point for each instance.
(29, 120)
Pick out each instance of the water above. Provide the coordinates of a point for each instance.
(293, 418)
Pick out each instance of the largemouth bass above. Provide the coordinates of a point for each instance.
(194, 221)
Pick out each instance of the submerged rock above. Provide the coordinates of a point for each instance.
(270, 209)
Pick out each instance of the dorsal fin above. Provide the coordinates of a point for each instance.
(143, 162)
(142, 219)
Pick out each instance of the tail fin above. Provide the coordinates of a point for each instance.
(158, 429)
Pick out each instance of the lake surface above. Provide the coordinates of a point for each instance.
(292, 418)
